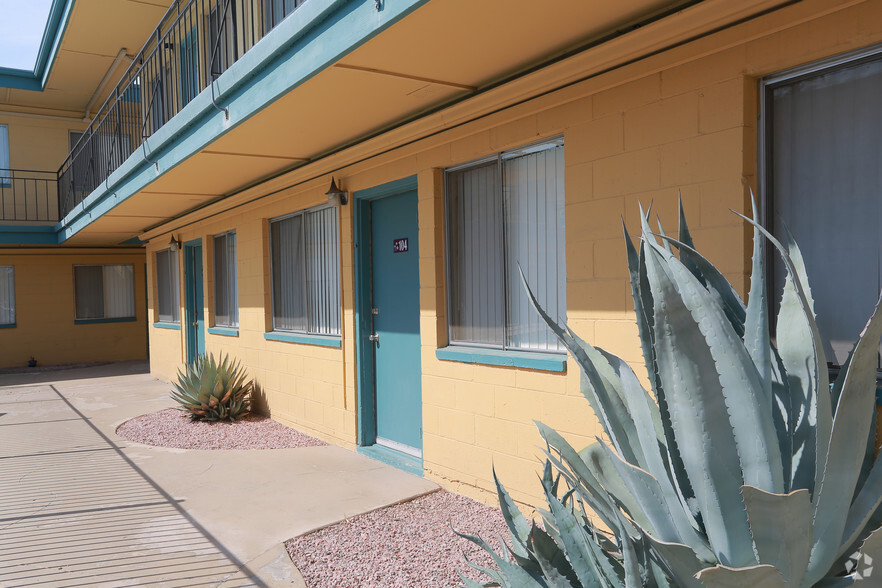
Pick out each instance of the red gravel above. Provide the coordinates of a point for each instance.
(173, 428)
(408, 544)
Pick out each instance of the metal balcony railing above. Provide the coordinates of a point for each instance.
(195, 42)
(28, 196)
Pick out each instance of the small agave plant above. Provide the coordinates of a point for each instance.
(213, 391)
(750, 469)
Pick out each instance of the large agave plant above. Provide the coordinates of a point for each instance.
(213, 391)
(750, 469)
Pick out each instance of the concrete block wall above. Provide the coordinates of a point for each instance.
(45, 310)
(679, 124)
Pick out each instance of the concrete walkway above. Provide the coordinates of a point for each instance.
(79, 506)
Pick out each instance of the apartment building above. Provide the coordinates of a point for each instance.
(342, 193)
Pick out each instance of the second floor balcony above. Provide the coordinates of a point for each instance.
(28, 196)
(196, 41)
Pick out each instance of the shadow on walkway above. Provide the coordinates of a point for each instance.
(76, 511)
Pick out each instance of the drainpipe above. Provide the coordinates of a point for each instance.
(87, 115)
(43, 116)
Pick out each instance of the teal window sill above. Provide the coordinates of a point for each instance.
(125, 319)
(8, 326)
(521, 359)
(225, 331)
(175, 326)
(320, 340)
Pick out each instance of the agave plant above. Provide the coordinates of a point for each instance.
(213, 391)
(744, 466)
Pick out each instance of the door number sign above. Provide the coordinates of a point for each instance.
(399, 245)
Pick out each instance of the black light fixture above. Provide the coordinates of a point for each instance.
(336, 196)
(174, 244)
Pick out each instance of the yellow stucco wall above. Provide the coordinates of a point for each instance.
(35, 144)
(44, 313)
(679, 122)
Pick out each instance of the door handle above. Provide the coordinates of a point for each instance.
(374, 337)
(195, 323)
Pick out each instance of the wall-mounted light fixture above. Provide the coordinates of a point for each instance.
(336, 196)
(174, 244)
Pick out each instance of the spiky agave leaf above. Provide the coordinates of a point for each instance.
(211, 390)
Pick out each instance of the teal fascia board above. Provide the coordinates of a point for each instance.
(320, 340)
(28, 235)
(175, 326)
(7, 326)
(36, 80)
(309, 40)
(521, 359)
(225, 331)
(402, 461)
(126, 319)
(388, 189)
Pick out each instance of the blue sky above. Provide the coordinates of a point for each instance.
(22, 23)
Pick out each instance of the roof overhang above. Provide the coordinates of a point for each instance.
(21, 79)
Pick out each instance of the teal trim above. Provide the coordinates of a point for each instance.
(56, 24)
(320, 340)
(225, 331)
(310, 39)
(175, 326)
(388, 189)
(28, 235)
(125, 319)
(522, 359)
(367, 421)
(8, 326)
(133, 241)
(402, 461)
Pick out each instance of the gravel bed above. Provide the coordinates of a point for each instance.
(173, 428)
(408, 544)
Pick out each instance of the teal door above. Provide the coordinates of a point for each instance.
(395, 313)
(193, 307)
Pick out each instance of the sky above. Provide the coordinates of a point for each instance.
(22, 23)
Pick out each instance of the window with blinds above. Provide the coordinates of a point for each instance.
(167, 288)
(305, 257)
(104, 291)
(226, 292)
(7, 295)
(506, 215)
(824, 182)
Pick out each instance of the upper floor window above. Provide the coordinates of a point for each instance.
(226, 291)
(503, 213)
(167, 289)
(5, 174)
(7, 295)
(824, 144)
(104, 291)
(305, 254)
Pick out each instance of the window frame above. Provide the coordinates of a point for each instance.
(176, 289)
(105, 319)
(5, 157)
(497, 158)
(12, 324)
(766, 199)
(310, 332)
(233, 273)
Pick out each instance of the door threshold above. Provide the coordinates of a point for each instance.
(397, 459)
(399, 447)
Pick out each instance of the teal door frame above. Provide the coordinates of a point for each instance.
(194, 302)
(367, 409)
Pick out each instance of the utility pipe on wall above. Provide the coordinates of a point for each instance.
(43, 116)
(122, 54)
